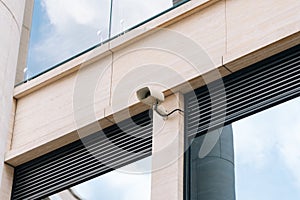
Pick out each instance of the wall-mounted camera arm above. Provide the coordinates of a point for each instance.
(155, 108)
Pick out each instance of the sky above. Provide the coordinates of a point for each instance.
(267, 156)
(62, 29)
(127, 183)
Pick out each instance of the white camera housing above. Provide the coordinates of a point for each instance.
(150, 96)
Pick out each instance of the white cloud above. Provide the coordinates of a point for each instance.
(69, 27)
(118, 185)
(271, 136)
(83, 12)
(131, 181)
(288, 126)
(132, 186)
(127, 13)
(253, 143)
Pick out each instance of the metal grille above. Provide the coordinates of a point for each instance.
(248, 91)
(84, 159)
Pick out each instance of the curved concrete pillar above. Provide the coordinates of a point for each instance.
(212, 177)
(11, 20)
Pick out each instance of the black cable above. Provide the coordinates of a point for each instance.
(168, 114)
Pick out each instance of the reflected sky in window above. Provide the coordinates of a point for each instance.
(63, 29)
(128, 13)
(132, 182)
(267, 154)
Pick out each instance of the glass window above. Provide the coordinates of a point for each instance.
(63, 29)
(131, 182)
(128, 13)
(266, 161)
(267, 154)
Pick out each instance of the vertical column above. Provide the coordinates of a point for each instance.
(24, 42)
(8, 171)
(168, 150)
(212, 177)
(6, 183)
(11, 19)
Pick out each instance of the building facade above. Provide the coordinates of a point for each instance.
(216, 62)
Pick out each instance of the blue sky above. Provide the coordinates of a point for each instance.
(62, 29)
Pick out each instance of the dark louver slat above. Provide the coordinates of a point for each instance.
(97, 154)
(248, 91)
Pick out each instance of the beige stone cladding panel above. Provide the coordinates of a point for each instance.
(168, 151)
(50, 112)
(7, 182)
(11, 16)
(170, 56)
(207, 28)
(254, 24)
(9, 40)
(16, 8)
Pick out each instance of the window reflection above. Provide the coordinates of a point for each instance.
(63, 29)
(128, 13)
(129, 182)
(267, 155)
(266, 158)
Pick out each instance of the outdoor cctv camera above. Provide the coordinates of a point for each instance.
(149, 96)
(152, 98)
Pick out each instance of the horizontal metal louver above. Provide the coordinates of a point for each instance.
(248, 91)
(84, 159)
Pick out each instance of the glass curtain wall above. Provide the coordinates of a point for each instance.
(62, 30)
(266, 158)
(267, 154)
